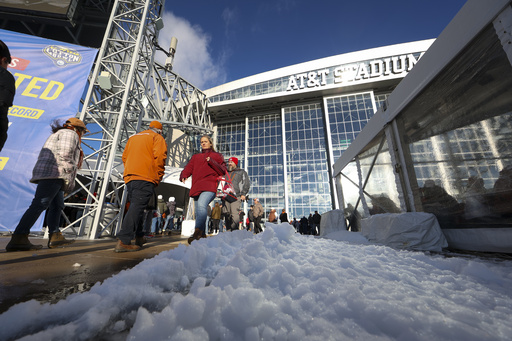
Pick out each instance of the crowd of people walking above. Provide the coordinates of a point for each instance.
(145, 213)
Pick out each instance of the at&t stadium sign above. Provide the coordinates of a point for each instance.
(355, 72)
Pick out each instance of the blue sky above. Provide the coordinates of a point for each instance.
(225, 40)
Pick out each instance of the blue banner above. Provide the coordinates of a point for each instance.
(50, 80)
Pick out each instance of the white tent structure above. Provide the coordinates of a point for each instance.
(444, 136)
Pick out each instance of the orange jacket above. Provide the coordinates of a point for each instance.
(144, 157)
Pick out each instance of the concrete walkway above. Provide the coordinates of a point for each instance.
(49, 275)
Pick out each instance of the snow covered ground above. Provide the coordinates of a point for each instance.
(279, 285)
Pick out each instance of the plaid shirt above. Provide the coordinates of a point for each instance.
(59, 159)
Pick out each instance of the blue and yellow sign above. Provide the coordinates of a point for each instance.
(51, 77)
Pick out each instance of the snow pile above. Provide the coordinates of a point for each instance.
(279, 285)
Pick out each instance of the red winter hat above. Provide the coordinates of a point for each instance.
(234, 159)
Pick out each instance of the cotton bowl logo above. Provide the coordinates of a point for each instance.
(62, 56)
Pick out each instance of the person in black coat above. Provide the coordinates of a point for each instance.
(304, 225)
(311, 224)
(283, 216)
(7, 91)
(316, 223)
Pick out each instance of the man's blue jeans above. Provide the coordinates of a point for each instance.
(169, 221)
(49, 195)
(156, 224)
(201, 203)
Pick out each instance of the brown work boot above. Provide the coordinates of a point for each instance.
(198, 234)
(57, 239)
(140, 241)
(120, 247)
(20, 242)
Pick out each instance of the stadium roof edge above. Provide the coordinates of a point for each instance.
(345, 58)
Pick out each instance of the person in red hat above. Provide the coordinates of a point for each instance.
(54, 173)
(144, 165)
(241, 184)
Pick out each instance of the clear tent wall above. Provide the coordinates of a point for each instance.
(447, 150)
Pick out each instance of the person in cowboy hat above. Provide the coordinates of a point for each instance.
(54, 173)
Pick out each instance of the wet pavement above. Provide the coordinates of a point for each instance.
(49, 275)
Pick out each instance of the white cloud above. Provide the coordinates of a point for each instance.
(193, 60)
(229, 16)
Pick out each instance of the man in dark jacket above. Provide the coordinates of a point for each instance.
(241, 184)
(311, 224)
(316, 223)
(304, 225)
(283, 216)
(7, 91)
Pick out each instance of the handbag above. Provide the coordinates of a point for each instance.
(225, 189)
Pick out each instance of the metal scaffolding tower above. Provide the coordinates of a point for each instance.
(128, 89)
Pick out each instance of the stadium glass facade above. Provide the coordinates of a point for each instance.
(288, 144)
(307, 175)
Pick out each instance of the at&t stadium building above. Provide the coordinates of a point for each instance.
(289, 126)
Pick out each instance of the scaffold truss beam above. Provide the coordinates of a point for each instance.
(127, 90)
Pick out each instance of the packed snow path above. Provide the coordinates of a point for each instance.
(279, 285)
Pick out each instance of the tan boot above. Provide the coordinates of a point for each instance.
(197, 235)
(20, 242)
(57, 239)
(120, 247)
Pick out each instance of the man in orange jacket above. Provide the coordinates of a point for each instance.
(144, 164)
